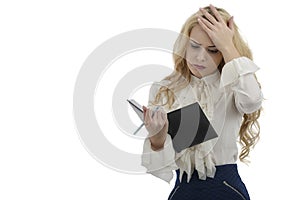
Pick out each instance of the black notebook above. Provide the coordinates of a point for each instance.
(188, 126)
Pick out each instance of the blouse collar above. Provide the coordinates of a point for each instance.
(209, 79)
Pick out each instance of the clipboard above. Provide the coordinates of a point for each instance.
(188, 126)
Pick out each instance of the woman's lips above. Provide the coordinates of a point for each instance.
(199, 67)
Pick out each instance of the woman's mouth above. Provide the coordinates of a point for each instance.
(199, 67)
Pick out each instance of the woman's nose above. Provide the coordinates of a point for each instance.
(201, 56)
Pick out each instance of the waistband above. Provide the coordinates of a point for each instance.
(223, 172)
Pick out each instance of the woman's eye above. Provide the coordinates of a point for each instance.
(194, 46)
(213, 50)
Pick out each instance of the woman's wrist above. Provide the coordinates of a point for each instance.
(229, 53)
(156, 148)
(157, 141)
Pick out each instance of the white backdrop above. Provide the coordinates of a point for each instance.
(43, 46)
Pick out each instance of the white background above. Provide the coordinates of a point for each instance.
(42, 47)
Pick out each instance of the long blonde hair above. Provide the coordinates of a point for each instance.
(180, 78)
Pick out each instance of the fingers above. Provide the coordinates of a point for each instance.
(144, 111)
(211, 19)
(205, 24)
(216, 13)
(161, 119)
(153, 115)
(144, 108)
(154, 120)
(159, 116)
(207, 21)
(165, 117)
(214, 25)
(147, 117)
(230, 23)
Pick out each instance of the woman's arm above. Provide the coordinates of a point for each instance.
(239, 75)
(238, 71)
(158, 153)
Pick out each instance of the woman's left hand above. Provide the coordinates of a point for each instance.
(217, 29)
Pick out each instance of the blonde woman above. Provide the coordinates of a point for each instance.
(214, 67)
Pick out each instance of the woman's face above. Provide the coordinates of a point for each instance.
(203, 58)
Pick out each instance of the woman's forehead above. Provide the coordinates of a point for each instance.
(199, 36)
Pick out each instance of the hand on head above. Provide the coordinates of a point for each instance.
(220, 32)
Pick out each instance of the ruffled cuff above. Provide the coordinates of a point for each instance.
(236, 68)
(160, 163)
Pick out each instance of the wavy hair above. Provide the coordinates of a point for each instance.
(181, 77)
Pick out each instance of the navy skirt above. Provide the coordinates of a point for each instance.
(225, 185)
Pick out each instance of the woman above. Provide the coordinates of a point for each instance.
(213, 67)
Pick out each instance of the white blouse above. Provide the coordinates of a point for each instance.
(224, 98)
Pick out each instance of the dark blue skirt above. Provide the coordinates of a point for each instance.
(226, 184)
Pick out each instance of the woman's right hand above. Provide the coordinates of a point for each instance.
(156, 123)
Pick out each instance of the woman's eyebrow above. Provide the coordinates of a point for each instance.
(195, 42)
(212, 46)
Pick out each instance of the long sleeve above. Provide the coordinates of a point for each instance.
(239, 74)
(159, 163)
